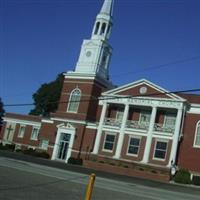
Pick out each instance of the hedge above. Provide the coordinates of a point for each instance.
(183, 176)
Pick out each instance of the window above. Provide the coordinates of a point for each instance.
(170, 121)
(109, 142)
(74, 101)
(21, 131)
(44, 144)
(119, 115)
(134, 144)
(197, 136)
(160, 150)
(97, 28)
(103, 28)
(35, 133)
(144, 117)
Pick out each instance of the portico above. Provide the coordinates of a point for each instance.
(155, 119)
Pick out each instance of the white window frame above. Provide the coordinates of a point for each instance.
(195, 136)
(19, 135)
(119, 115)
(41, 144)
(133, 137)
(165, 119)
(35, 138)
(70, 103)
(107, 150)
(144, 113)
(154, 152)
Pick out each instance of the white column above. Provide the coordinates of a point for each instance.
(149, 136)
(99, 130)
(176, 137)
(56, 146)
(121, 133)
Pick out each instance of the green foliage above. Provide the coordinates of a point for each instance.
(8, 147)
(47, 97)
(196, 180)
(2, 111)
(75, 161)
(182, 176)
(32, 152)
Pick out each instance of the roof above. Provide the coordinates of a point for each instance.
(191, 98)
(23, 117)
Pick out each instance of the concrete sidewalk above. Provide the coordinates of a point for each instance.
(83, 170)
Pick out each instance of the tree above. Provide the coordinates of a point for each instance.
(47, 96)
(2, 111)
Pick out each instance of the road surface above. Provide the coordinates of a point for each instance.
(20, 180)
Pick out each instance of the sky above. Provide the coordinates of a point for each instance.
(158, 40)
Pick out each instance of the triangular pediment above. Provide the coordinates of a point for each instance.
(143, 88)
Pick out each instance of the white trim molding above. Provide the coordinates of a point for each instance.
(23, 122)
(195, 136)
(66, 129)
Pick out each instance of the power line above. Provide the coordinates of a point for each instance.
(159, 66)
(138, 71)
(106, 98)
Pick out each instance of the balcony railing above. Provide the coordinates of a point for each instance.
(112, 122)
(163, 128)
(137, 125)
(140, 126)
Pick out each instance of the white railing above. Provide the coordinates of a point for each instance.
(112, 122)
(163, 128)
(137, 125)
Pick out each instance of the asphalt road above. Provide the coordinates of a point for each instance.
(20, 180)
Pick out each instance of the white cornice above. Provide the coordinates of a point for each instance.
(69, 120)
(23, 122)
(194, 109)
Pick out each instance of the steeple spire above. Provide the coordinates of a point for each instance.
(96, 52)
(103, 23)
(107, 7)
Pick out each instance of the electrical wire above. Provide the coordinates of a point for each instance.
(106, 98)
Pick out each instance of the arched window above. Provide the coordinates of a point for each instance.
(103, 28)
(97, 28)
(74, 101)
(197, 136)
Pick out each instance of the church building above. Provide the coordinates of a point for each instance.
(138, 129)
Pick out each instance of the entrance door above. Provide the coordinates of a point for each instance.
(63, 146)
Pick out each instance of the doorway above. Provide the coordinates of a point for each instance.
(63, 148)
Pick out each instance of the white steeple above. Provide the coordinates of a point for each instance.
(95, 53)
(103, 23)
(107, 7)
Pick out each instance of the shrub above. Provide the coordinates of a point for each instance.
(42, 154)
(9, 147)
(182, 176)
(29, 152)
(75, 161)
(32, 152)
(196, 180)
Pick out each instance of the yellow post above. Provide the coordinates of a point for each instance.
(90, 187)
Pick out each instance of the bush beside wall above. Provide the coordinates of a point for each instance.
(8, 147)
(75, 161)
(196, 180)
(183, 176)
